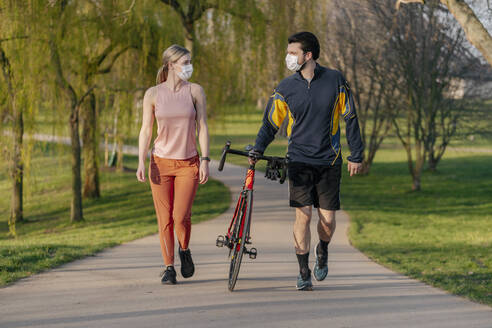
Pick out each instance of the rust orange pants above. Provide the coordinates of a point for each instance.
(174, 184)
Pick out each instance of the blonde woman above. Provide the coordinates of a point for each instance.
(179, 107)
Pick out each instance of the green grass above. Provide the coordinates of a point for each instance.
(123, 213)
(441, 235)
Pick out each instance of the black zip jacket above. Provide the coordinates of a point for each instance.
(313, 110)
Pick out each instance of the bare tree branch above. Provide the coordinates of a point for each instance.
(108, 68)
(14, 38)
(476, 33)
(88, 92)
(177, 7)
(60, 78)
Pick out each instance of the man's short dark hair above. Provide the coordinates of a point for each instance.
(309, 42)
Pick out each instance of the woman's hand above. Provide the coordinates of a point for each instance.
(141, 173)
(203, 175)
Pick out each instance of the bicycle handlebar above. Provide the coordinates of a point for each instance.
(270, 159)
(225, 150)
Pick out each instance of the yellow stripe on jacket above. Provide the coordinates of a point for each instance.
(279, 111)
(342, 107)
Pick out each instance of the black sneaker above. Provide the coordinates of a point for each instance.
(187, 266)
(321, 266)
(169, 276)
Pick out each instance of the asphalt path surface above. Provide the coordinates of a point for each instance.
(120, 287)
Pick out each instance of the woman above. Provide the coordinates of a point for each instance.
(175, 169)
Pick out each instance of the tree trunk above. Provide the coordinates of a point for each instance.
(76, 205)
(189, 42)
(119, 154)
(371, 154)
(416, 182)
(17, 167)
(90, 148)
(417, 170)
(366, 167)
(474, 29)
(432, 164)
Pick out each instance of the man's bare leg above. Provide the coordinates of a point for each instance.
(326, 229)
(302, 231)
(302, 243)
(326, 224)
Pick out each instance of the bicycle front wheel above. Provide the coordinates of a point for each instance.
(241, 232)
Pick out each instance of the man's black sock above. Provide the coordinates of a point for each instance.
(323, 246)
(303, 260)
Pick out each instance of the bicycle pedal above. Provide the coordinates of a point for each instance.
(252, 253)
(220, 242)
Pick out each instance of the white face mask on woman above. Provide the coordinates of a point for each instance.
(291, 62)
(186, 71)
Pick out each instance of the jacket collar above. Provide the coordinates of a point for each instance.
(317, 72)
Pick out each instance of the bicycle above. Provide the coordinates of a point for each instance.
(238, 233)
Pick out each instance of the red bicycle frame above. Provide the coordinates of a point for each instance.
(248, 185)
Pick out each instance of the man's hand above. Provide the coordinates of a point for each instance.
(253, 157)
(354, 168)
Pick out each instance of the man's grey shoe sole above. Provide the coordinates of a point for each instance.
(306, 286)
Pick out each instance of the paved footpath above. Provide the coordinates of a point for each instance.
(120, 287)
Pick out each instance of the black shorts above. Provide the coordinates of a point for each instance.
(317, 185)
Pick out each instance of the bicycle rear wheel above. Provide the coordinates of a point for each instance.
(241, 232)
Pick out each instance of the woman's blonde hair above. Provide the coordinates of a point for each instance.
(170, 55)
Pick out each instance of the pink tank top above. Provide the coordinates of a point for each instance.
(176, 125)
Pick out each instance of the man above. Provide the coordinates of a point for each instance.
(313, 100)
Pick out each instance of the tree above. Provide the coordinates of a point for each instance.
(60, 15)
(15, 67)
(109, 37)
(190, 12)
(104, 26)
(358, 47)
(76, 100)
(91, 68)
(17, 169)
(474, 29)
(426, 46)
(225, 38)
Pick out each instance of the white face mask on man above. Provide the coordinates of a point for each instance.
(291, 62)
(186, 71)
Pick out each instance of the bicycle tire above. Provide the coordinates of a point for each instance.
(240, 241)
